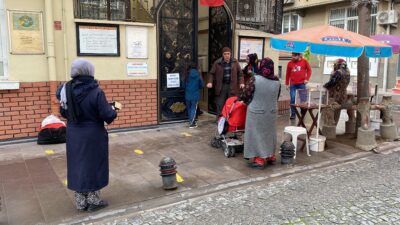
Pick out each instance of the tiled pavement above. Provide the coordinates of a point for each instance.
(33, 177)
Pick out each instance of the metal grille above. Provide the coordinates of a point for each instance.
(264, 15)
(177, 41)
(123, 10)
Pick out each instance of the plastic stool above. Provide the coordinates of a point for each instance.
(295, 132)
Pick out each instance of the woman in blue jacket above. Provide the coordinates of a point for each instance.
(192, 84)
(86, 109)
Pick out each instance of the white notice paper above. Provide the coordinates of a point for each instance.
(98, 40)
(136, 42)
(173, 80)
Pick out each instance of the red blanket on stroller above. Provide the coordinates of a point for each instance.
(235, 112)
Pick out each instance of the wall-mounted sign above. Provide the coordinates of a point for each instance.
(249, 45)
(173, 80)
(136, 42)
(95, 39)
(136, 69)
(352, 65)
(26, 32)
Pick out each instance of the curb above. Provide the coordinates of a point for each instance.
(185, 196)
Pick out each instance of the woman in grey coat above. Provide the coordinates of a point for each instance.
(261, 95)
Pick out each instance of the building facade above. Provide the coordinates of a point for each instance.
(340, 13)
(139, 49)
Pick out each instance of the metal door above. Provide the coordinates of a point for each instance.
(219, 36)
(177, 31)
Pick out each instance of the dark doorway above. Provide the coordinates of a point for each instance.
(219, 35)
(177, 32)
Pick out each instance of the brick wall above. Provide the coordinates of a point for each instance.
(139, 101)
(22, 111)
(283, 106)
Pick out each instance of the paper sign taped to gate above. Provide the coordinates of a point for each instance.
(173, 80)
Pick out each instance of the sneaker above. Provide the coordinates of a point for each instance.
(292, 117)
(193, 125)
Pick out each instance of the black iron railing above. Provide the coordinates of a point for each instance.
(263, 15)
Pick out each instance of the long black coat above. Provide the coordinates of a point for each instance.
(87, 141)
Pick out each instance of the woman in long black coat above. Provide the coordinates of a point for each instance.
(85, 107)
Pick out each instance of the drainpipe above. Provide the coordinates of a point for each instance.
(386, 61)
(51, 58)
(64, 30)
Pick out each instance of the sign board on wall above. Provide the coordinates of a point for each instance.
(136, 69)
(249, 45)
(26, 32)
(173, 80)
(352, 65)
(136, 42)
(95, 39)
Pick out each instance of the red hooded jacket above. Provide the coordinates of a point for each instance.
(297, 72)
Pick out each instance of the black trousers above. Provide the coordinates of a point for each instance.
(220, 99)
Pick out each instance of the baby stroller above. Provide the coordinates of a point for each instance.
(231, 124)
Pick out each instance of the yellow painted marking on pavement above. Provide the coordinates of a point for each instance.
(179, 179)
(186, 134)
(139, 152)
(49, 152)
(65, 182)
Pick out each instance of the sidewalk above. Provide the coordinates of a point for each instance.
(33, 177)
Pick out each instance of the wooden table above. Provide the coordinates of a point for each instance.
(301, 112)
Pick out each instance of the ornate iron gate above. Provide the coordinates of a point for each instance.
(177, 30)
(219, 35)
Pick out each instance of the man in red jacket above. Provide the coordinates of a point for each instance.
(298, 73)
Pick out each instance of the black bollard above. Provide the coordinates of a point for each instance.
(287, 152)
(168, 173)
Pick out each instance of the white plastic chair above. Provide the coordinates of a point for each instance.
(295, 132)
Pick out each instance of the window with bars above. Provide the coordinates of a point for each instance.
(290, 22)
(260, 15)
(347, 18)
(120, 10)
(103, 9)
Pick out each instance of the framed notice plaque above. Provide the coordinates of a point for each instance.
(249, 45)
(26, 32)
(97, 39)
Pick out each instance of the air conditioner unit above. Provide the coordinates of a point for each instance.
(387, 17)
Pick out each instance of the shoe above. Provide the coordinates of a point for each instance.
(83, 209)
(292, 117)
(193, 125)
(270, 159)
(258, 163)
(94, 207)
